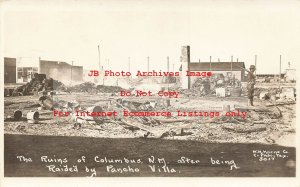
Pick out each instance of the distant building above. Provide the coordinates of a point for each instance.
(61, 71)
(217, 68)
(26, 68)
(269, 75)
(10, 65)
(22, 70)
(26, 74)
(290, 75)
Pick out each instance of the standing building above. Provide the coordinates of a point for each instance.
(290, 75)
(227, 69)
(10, 65)
(61, 71)
(22, 70)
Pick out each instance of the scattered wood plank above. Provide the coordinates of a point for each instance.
(245, 128)
(175, 120)
(130, 122)
(254, 108)
(281, 103)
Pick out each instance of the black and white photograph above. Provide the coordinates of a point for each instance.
(148, 89)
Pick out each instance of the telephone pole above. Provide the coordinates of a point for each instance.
(255, 64)
(148, 69)
(72, 73)
(279, 68)
(129, 64)
(168, 63)
(279, 74)
(99, 57)
(148, 63)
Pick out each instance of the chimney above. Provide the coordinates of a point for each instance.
(185, 62)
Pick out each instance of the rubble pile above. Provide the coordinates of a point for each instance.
(203, 86)
(36, 115)
(276, 94)
(59, 86)
(217, 85)
(108, 89)
(88, 87)
(38, 83)
(271, 91)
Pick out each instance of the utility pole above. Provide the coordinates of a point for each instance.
(255, 64)
(279, 74)
(148, 63)
(129, 64)
(168, 69)
(168, 64)
(39, 71)
(231, 64)
(72, 73)
(102, 78)
(148, 68)
(279, 68)
(100, 70)
(99, 57)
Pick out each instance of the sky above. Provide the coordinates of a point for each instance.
(71, 31)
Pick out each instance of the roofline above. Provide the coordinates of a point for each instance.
(214, 62)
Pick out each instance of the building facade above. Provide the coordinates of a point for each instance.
(10, 65)
(290, 75)
(61, 71)
(226, 69)
(22, 70)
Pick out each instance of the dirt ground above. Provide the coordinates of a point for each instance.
(271, 127)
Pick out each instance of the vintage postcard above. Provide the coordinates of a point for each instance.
(136, 88)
